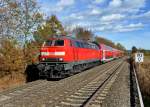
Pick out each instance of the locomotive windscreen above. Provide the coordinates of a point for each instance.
(54, 43)
(59, 43)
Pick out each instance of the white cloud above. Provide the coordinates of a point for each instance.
(76, 16)
(118, 28)
(62, 4)
(134, 4)
(128, 6)
(115, 3)
(95, 12)
(112, 17)
(56, 9)
(98, 1)
(130, 27)
(52, 8)
(147, 14)
(144, 16)
(65, 3)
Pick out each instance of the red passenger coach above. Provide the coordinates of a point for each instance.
(106, 53)
(117, 53)
(64, 55)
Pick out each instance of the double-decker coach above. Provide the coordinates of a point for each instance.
(106, 53)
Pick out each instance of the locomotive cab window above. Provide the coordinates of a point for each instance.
(54, 43)
(71, 43)
(59, 43)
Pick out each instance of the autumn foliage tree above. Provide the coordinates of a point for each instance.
(33, 50)
(11, 57)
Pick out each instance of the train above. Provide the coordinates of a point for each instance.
(62, 56)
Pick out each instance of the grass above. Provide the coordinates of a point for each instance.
(146, 101)
(147, 59)
(10, 81)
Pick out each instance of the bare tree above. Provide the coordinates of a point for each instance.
(105, 41)
(82, 33)
(18, 20)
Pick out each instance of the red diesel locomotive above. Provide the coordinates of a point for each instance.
(64, 55)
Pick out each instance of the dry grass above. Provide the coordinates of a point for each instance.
(11, 81)
(143, 72)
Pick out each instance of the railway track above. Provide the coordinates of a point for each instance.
(87, 89)
(94, 92)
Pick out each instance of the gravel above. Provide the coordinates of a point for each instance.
(119, 94)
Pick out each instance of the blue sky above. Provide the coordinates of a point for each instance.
(124, 21)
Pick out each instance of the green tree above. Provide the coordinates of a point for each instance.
(134, 49)
(51, 27)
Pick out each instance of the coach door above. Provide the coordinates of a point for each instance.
(104, 55)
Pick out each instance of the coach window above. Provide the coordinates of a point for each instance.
(87, 45)
(98, 47)
(81, 45)
(71, 43)
(84, 45)
(78, 44)
(90, 46)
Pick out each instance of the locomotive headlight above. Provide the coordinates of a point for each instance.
(61, 59)
(43, 59)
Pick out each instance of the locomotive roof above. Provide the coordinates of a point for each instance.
(103, 46)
